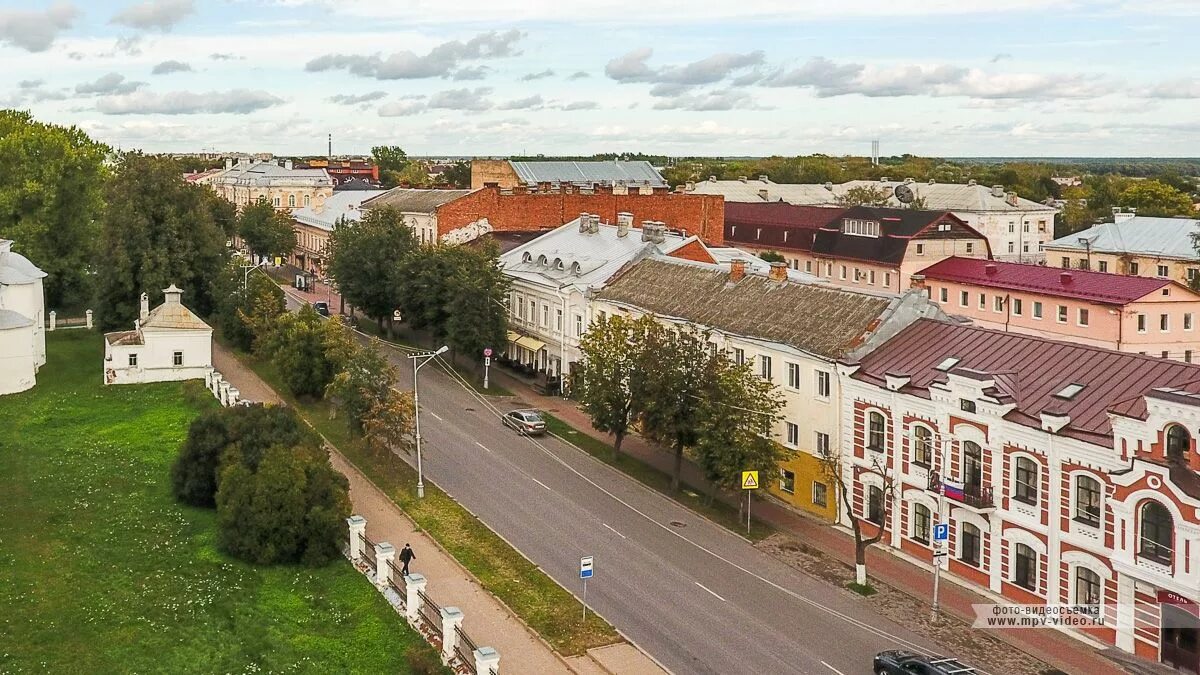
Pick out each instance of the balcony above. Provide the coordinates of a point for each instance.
(976, 496)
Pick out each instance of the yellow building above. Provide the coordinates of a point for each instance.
(285, 187)
(1134, 245)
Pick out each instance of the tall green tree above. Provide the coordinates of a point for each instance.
(265, 231)
(606, 377)
(476, 314)
(51, 202)
(158, 230)
(247, 306)
(1152, 198)
(865, 195)
(458, 174)
(297, 348)
(425, 290)
(366, 259)
(391, 160)
(363, 380)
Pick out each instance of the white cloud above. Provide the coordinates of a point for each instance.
(235, 101)
(581, 105)
(112, 83)
(530, 77)
(474, 100)
(155, 14)
(441, 61)
(579, 75)
(534, 102)
(403, 108)
(707, 101)
(1181, 88)
(34, 30)
(355, 99)
(168, 67)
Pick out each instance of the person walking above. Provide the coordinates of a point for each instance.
(406, 556)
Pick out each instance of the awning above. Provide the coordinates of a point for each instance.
(513, 337)
(531, 344)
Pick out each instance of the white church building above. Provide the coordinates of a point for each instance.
(167, 344)
(22, 316)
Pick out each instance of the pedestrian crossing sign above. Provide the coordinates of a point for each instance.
(749, 480)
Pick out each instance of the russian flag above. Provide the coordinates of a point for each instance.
(954, 490)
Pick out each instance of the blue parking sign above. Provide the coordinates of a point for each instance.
(941, 532)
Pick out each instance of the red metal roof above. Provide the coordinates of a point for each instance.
(780, 213)
(1100, 287)
(1030, 370)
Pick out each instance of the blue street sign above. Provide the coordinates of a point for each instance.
(941, 532)
(585, 567)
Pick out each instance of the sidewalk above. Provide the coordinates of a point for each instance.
(1051, 646)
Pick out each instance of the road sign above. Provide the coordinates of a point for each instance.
(585, 567)
(939, 558)
(487, 360)
(396, 315)
(750, 480)
(487, 351)
(278, 261)
(941, 532)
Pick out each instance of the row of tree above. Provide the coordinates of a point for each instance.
(396, 168)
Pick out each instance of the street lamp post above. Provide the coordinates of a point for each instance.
(246, 276)
(418, 361)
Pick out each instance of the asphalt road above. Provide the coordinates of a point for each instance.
(695, 596)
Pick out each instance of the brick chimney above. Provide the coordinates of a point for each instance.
(737, 270)
(764, 195)
(624, 222)
(990, 268)
(1064, 277)
(778, 272)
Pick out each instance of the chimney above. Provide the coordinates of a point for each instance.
(624, 222)
(172, 294)
(990, 268)
(909, 181)
(778, 272)
(737, 270)
(712, 179)
(287, 164)
(884, 179)
(647, 230)
(742, 178)
(228, 163)
(145, 310)
(585, 222)
(997, 190)
(689, 186)
(763, 195)
(829, 186)
(932, 181)
(763, 178)
(971, 182)
(1054, 421)
(1064, 277)
(1011, 198)
(897, 381)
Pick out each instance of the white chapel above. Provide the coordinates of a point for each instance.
(167, 344)
(22, 313)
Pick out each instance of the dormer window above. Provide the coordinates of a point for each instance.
(541, 260)
(1070, 391)
(948, 363)
(967, 405)
(527, 257)
(558, 264)
(1178, 442)
(860, 228)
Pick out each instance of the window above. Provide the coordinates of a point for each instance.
(887, 279)
(1191, 274)
(1025, 568)
(275, 202)
(843, 272)
(875, 504)
(970, 247)
(920, 249)
(133, 360)
(793, 375)
(1179, 441)
(532, 310)
(966, 405)
(1011, 227)
(787, 481)
(177, 359)
(1164, 322)
(871, 277)
(307, 199)
(1084, 264)
(972, 467)
(1187, 321)
(739, 356)
(1133, 268)
(819, 494)
(944, 294)
(969, 544)
(822, 384)
(1083, 317)
(1012, 247)
(291, 201)
(1027, 479)
(1070, 391)
(1025, 226)
(822, 444)
(922, 446)
(1037, 309)
(998, 303)
(964, 298)
(765, 370)
(1087, 501)
(545, 316)
(1187, 356)
(808, 266)
(982, 301)
(1103, 266)
(861, 228)
(1016, 307)
(1062, 313)
(1066, 262)
(578, 325)
(558, 320)
(1087, 587)
(1163, 271)
(875, 431)
(921, 522)
(1141, 323)
(1157, 533)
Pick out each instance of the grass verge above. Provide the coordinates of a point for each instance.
(532, 595)
(695, 499)
(104, 572)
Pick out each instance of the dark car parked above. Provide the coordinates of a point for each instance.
(528, 422)
(322, 308)
(898, 662)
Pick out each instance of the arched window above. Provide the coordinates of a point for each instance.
(970, 544)
(1087, 501)
(921, 523)
(875, 504)
(292, 201)
(1179, 441)
(1025, 567)
(875, 431)
(972, 467)
(1027, 480)
(1157, 533)
(307, 198)
(922, 446)
(1087, 587)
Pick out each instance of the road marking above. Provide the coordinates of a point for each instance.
(482, 446)
(435, 416)
(614, 531)
(540, 483)
(710, 591)
(832, 668)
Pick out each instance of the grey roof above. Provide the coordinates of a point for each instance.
(413, 200)
(341, 205)
(1164, 237)
(937, 196)
(267, 174)
(15, 269)
(10, 319)
(586, 173)
(817, 319)
(172, 314)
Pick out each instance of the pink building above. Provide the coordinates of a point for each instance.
(1145, 315)
(862, 247)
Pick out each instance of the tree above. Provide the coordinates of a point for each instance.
(414, 175)
(265, 231)
(367, 259)
(51, 202)
(835, 470)
(458, 174)
(605, 379)
(738, 411)
(1152, 198)
(363, 380)
(476, 313)
(296, 347)
(865, 195)
(772, 256)
(158, 230)
(424, 291)
(247, 313)
(391, 160)
(390, 425)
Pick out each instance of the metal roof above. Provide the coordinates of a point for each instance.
(937, 196)
(414, 200)
(173, 315)
(1158, 237)
(587, 173)
(338, 206)
(1100, 287)
(265, 174)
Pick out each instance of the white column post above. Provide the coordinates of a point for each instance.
(53, 320)
(358, 526)
(216, 385)
(385, 553)
(234, 396)
(1125, 612)
(487, 660)
(88, 315)
(208, 379)
(415, 584)
(452, 618)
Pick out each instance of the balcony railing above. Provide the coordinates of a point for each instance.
(975, 495)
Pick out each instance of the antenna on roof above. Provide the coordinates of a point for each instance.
(330, 155)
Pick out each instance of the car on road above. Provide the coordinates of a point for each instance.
(899, 662)
(322, 308)
(528, 422)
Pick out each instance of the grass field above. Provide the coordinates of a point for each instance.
(103, 572)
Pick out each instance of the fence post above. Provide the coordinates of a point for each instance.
(88, 315)
(452, 618)
(53, 320)
(215, 387)
(415, 584)
(234, 396)
(223, 396)
(487, 660)
(385, 553)
(358, 527)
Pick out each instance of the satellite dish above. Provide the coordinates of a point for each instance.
(904, 194)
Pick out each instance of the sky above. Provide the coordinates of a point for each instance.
(502, 77)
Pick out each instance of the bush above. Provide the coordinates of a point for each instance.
(296, 347)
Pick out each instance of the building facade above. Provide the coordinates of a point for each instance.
(314, 224)
(167, 344)
(420, 209)
(284, 186)
(1134, 245)
(1066, 473)
(22, 321)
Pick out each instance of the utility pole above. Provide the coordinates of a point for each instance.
(418, 361)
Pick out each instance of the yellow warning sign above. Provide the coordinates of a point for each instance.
(749, 480)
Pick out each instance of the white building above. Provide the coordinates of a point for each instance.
(22, 311)
(420, 210)
(1015, 227)
(167, 344)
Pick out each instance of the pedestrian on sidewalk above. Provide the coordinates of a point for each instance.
(406, 556)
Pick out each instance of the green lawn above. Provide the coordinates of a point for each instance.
(103, 572)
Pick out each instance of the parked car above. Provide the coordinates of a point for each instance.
(322, 308)
(528, 422)
(899, 662)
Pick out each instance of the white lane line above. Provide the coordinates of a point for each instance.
(482, 446)
(435, 416)
(832, 668)
(710, 591)
(540, 483)
(614, 531)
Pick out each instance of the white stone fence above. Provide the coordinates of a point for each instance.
(440, 626)
(53, 323)
(226, 393)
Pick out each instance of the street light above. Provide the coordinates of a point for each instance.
(246, 276)
(418, 361)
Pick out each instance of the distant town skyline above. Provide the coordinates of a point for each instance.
(943, 77)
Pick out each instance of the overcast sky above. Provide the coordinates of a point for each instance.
(756, 77)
